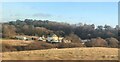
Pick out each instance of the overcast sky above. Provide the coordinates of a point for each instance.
(98, 13)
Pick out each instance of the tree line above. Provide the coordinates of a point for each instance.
(100, 36)
(45, 27)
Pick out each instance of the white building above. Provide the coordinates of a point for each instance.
(54, 39)
(21, 38)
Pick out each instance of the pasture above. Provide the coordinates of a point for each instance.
(80, 53)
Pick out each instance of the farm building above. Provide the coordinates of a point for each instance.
(42, 38)
(26, 37)
(66, 41)
(20, 38)
(54, 39)
(86, 40)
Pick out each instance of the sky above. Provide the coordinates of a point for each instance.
(98, 13)
(60, 0)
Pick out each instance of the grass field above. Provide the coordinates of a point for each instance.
(15, 42)
(83, 53)
(97, 53)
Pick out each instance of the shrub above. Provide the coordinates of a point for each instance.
(7, 48)
(74, 38)
(39, 45)
(96, 42)
(69, 45)
(19, 48)
(112, 42)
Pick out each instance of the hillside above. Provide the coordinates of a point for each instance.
(96, 53)
(32, 27)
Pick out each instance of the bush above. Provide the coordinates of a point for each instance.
(74, 38)
(39, 45)
(96, 42)
(112, 42)
(8, 48)
(69, 45)
(19, 48)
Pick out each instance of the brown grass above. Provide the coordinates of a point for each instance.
(97, 53)
(16, 42)
(94, 53)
